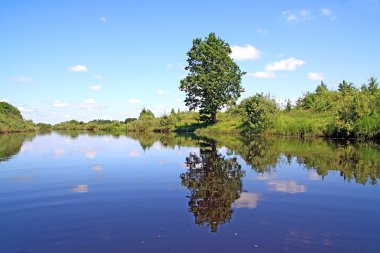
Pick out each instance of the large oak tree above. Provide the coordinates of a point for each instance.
(213, 81)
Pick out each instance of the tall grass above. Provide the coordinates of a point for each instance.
(301, 123)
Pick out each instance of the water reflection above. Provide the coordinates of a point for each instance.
(11, 144)
(215, 184)
(287, 201)
(81, 188)
(247, 200)
(358, 162)
(97, 167)
(288, 186)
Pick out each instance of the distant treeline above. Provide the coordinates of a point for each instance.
(348, 112)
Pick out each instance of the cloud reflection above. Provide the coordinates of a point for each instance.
(134, 154)
(247, 200)
(22, 178)
(90, 154)
(59, 153)
(80, 188)
(264, 177)
(313, 176)
(288, 186)
(97, 167)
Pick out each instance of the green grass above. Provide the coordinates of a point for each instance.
(301, 123)
(228, 123)
(369, 127)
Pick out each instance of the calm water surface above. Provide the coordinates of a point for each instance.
(71, 192)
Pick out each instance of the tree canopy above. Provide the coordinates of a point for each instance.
(10, 110)
(213, 81)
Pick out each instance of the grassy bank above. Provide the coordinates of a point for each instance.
(12, 121)
(349, 112)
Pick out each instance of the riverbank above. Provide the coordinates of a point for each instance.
(296, 123)
(349, 112)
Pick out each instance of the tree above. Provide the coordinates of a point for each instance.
(258, 113)
(146, 114)
(127, 120)
(213, 81)
(288, 106)
(215, 184)
(9, 110)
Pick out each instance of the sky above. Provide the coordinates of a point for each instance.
(84, 60)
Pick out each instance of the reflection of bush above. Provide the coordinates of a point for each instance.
(360, 162)
(215, 183)
(10, 144)
(169, 140)
(354, 161)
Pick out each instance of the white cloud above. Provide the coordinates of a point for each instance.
(22, 79)
(296, 16)
(162, 92)
(78, 68)
(133, 101)
(24, 109)
(98, 77)
(326, 12)
(289, 64)
(315, 76)
(59, 104)
(247, 52)
(89, 103)
(103, 19)
(96, 87)
(263, 74)
(169, 66)
(261, 30)
(4, 100)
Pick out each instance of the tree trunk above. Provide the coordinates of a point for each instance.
(213, 118)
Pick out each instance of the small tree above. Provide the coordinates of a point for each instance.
(213, 81)
(258, 113)
(146, 114)
(288, 106)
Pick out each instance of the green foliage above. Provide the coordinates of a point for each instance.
(258, 113)
(9, 110)
(321, 100)
(213, 81)
(354, 109)
(43, 126)
(166, 123)
(128, 120)
(146, 114)
(288, 106)
(12, 121)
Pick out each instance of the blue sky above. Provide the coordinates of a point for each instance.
(83, 60)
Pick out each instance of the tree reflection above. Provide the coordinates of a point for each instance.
(10, 144)
(214, 182)
(359, 162)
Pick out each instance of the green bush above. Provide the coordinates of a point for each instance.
(258, 113)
